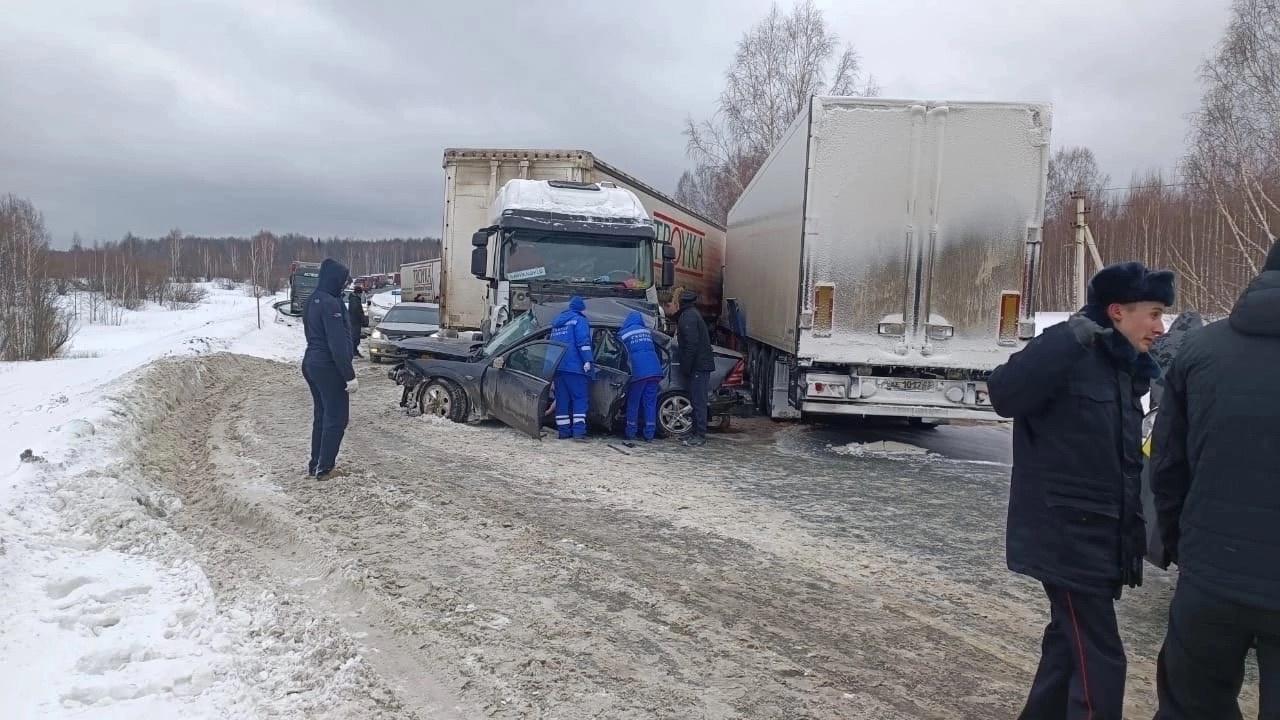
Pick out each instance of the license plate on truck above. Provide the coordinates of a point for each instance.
(910, 385)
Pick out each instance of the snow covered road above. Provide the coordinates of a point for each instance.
(461, 571)
(169, 558)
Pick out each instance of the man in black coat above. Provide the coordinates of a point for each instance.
(696, 360)
(355, 312)
(326, 366)
(1216, 480)
(1075, 513)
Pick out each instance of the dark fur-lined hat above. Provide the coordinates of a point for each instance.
(1130, 282)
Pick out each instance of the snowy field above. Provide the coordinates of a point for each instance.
(106, 614)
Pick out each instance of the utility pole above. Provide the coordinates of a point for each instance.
(1079, 279)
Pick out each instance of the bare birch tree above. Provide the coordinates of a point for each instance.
(33, 324)
(1235, 152)
(781, 62)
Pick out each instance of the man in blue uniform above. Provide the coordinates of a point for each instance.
(646, 376)
(1075, 509)
(574, 374)
(327, 367)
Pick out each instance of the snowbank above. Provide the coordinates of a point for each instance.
(107, 614)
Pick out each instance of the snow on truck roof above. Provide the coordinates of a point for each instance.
(604, 201)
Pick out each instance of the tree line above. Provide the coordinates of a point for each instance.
(264, 257)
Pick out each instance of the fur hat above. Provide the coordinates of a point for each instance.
(1273, 258)
(1129, 283)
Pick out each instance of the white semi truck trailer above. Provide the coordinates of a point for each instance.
(882, 261)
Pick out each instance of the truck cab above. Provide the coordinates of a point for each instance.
(549, 240)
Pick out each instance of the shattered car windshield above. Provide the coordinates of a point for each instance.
(510, 334)
(578, 258)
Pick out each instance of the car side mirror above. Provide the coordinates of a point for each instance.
(668, 252)
(668, 274)
(499, 362)
(480, 262)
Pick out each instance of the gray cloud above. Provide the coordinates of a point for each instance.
(226, 116)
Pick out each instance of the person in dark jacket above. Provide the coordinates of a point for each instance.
(697, 360)
(646, 376)
(327, 367)
(1075, 515)
(573, 376)
(1216, 481)
(355, 314)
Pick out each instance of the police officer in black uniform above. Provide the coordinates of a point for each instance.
(1075, 514)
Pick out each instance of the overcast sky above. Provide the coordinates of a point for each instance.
(329, 118)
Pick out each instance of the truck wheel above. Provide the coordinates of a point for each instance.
(675, 415)
(441, 398)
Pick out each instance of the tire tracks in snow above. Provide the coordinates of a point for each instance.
(487, 574)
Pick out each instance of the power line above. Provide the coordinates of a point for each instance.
(1150, 187)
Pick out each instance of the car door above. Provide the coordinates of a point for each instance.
(517, 383)
(610, 383)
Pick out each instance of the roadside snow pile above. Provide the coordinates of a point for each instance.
(887, 449)
(107, 613)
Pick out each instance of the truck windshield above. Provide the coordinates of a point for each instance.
(308, 280)
(602, 259)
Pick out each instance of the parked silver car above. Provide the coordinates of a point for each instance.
(405, 320)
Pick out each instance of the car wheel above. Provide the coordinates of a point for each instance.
(441, 398)
(675, 415)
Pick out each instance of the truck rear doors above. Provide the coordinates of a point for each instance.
(917, 220)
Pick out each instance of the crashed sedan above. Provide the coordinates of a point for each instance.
(509, 378)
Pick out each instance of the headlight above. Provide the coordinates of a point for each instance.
(377, 335)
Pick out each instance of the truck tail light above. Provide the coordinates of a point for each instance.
(941, 332)
(824, 302)
(737, 377)
(1010, 307)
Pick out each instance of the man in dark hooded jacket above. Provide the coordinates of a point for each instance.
(327, 367)
(1216, 481)
(573, 376)
(356, 316)
(646, 376)
(697, 360)
(1075, 514)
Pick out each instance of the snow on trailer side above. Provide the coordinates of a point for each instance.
(883, 236)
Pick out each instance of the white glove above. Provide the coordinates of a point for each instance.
(352, 384)
(586, 367)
